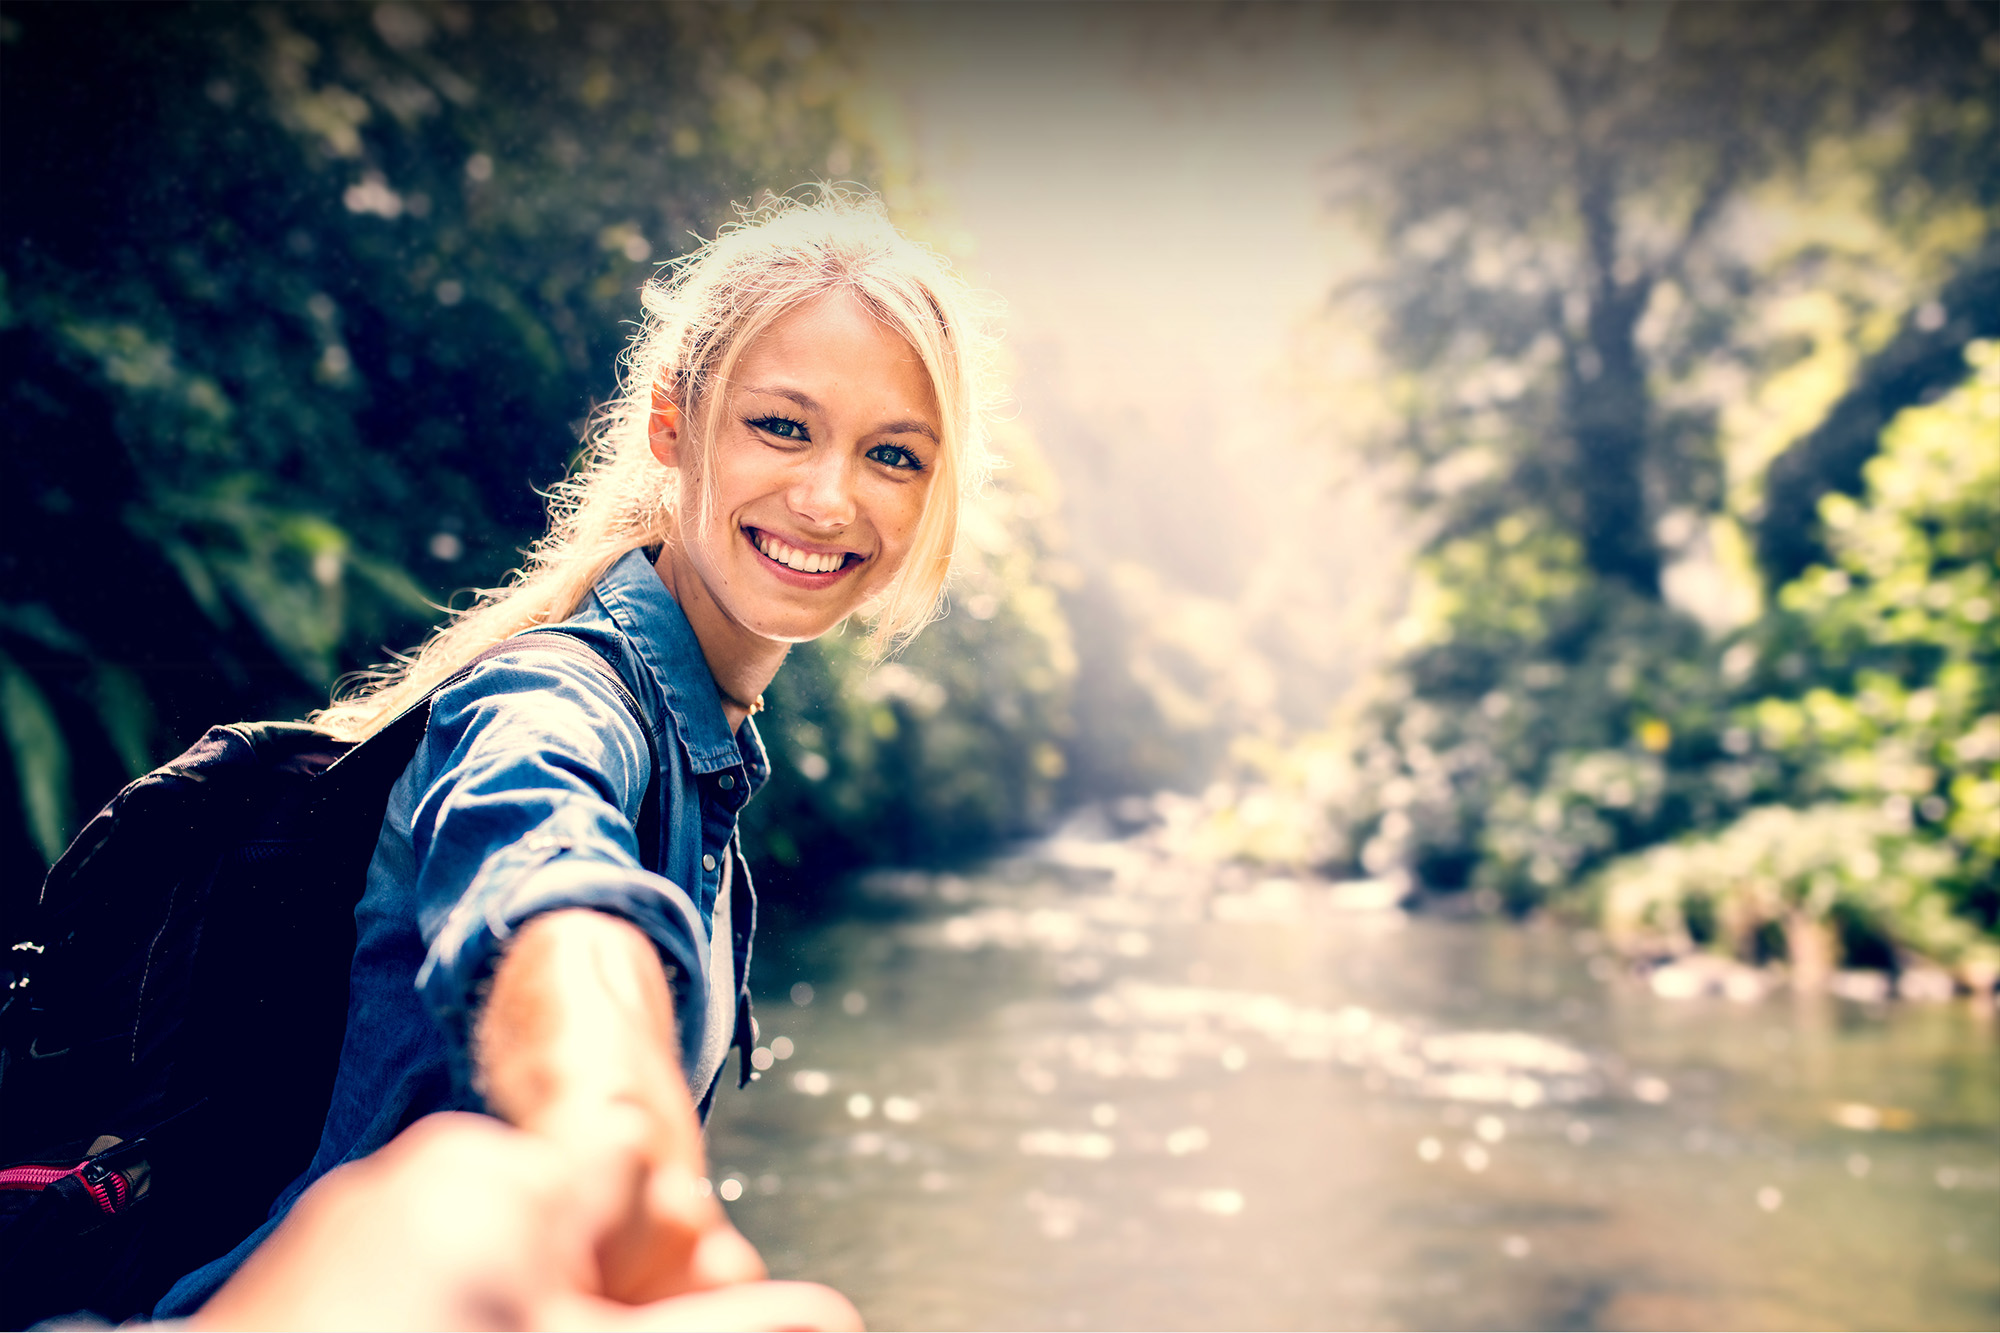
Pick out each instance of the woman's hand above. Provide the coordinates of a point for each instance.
(577, 1043)
(463, 1223)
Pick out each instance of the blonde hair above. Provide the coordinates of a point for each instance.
(701, 312)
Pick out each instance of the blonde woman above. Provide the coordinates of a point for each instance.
(800, 421)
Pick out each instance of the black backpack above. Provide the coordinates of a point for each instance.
(179, 996)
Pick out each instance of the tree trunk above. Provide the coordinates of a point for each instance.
(1812, 950)
(1605, 400)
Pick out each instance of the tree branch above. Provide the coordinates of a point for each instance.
(1918, 363)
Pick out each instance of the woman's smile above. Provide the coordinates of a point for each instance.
(802, 564)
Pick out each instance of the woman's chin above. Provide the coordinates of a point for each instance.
(793, 615)
(791, 626)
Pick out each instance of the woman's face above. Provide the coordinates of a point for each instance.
(826, 444)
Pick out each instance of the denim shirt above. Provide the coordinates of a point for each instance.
(523, 798)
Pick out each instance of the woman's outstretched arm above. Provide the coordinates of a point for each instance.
(576, 1042)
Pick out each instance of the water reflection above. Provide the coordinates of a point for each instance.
(1100, 1086)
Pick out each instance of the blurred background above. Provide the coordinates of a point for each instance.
(1460, 784)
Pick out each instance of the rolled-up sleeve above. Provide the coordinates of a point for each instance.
(533, 774)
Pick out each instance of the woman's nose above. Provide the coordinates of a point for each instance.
(823, 493)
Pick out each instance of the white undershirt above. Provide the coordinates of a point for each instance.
(720, 1029)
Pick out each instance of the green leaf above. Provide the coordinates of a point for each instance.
(35, 621)
(391, 582)
(126, 710)
(199, 580)
(41, 759)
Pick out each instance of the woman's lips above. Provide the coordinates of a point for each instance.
(800, 566)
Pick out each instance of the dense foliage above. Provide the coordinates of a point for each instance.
(299, 306)
(1875, 703)
(1647, 298)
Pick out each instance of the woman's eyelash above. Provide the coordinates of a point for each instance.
(785, 428)
(903, 460)
(789, 429)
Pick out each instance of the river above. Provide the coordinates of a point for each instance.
(1091, 1086)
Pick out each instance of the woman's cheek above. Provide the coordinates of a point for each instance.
(896, 540)
(909, 510)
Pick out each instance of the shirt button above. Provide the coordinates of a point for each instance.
(726, 781)
(707, 861)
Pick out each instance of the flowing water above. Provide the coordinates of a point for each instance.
(1096, 1087)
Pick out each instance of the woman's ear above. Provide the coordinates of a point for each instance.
(663, 429)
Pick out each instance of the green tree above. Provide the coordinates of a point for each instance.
(1577, 281)
(1558, 260)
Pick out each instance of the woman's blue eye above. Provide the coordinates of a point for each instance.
(783, 427)
(896, 456)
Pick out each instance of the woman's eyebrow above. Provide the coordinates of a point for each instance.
(911, 427)
(805, 400)
(811, 404)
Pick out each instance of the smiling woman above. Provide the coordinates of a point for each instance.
(827, 442)
(653, 472)
(557, 919)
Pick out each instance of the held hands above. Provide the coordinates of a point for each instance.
(464, 1223)
(583, 1215)
(576, 1044)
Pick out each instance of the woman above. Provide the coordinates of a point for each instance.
(800, 420)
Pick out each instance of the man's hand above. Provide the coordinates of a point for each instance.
(463, 1223)
(577, 1043)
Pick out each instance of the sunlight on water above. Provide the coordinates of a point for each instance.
(1097, 1086)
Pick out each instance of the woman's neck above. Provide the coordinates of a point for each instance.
(742, 663)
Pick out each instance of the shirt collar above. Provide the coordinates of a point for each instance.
(756, 763)
(653, 623)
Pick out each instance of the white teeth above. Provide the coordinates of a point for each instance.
(803, 561)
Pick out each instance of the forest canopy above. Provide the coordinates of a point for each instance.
(303, 306)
